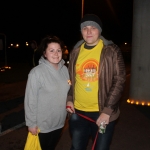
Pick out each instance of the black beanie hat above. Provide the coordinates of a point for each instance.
(91, 20)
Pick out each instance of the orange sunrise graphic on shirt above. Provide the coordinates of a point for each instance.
(89, 70)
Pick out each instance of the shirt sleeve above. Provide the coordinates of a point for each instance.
(31, 100)
(118, 82)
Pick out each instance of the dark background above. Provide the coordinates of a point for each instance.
(22, 21)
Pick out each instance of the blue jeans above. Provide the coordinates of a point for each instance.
(81, 130)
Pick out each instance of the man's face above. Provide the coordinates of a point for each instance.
(90, 35)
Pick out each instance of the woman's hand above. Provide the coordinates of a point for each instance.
(70, 107)
(34, 130)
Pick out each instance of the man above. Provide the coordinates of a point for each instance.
(33, 54)
(97, 74)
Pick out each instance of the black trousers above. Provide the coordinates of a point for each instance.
(48, 141)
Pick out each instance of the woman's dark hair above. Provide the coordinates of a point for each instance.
(47, 40)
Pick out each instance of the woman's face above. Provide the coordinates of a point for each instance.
(53, 54)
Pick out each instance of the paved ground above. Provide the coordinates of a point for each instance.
(132, 131)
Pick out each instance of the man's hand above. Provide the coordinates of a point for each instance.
(103, 118)
(34, 130)
(70, 107)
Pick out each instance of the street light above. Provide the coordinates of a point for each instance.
(5, 66)
(82, 11)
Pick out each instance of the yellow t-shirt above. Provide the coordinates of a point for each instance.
(86, 85)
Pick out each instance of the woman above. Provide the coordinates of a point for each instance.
(46, 92)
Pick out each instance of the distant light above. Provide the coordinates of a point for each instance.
(2, 69)
(125, 43)
(17, 45)
(128, 101)
(138, 102)
(66, 52)
(11, 44)
(27, 44)
(67, 62)
(7, 67)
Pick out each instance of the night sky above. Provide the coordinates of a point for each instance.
(24, 21)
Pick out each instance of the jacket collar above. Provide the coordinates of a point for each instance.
(106, 42)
